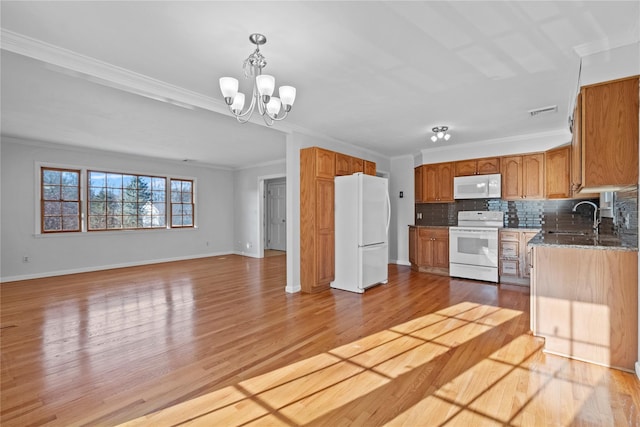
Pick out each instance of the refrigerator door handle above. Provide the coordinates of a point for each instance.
(388, 213)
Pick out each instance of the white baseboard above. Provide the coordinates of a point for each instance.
(638, 369)
(399, 262)
(250, 255)
(106, 267)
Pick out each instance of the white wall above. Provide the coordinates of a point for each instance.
(247, 205)
(402, 209)
(75, 252)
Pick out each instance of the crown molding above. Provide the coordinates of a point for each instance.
(106, 74)
(598, 46)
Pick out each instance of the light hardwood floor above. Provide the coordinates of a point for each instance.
(217, 342)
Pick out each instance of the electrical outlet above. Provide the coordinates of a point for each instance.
(26, 259)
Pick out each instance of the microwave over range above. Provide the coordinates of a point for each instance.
(477, 187)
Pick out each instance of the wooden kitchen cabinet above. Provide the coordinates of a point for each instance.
(343, 164)
(557, 173)
(522, 176)
(369, 167)
(412, 245)
(318, 167)
(607, 134)
(514, 256)
(437, 183)
(417, 183)
(348, 165)
(429, 249)
(584, 302)
(483, 166)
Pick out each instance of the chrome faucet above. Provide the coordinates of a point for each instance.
(595, 213)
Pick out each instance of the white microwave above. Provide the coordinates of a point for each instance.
(477, 187)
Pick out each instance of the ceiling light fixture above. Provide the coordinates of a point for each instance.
(271, 108)
(440, 132)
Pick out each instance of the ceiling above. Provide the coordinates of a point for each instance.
(378, 75)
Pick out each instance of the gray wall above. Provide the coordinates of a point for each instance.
(75, 252)
(248, 205)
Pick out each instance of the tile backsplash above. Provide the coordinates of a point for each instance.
(545, 214)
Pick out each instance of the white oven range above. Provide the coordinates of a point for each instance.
(473, 245)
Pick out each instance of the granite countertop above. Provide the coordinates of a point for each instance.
(520, 229)
(589, 241)
(430, 226)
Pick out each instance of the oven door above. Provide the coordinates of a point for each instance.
(473, 246)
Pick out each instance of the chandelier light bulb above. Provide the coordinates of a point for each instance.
(229, 88)
(446, 137)
(287, 95)
(434, 138)
(273, 107)
(440, 135)
(266, 84)
(238, 103)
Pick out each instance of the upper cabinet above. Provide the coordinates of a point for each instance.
(369, 168)
(434, 183)
(348, 165)
(484, 166)
(523, 176)
(417, 184)
(607, 135)
(557, 167)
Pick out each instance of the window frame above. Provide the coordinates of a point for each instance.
(123, 174)
(84, 202)
(170, 204)
(41, 199)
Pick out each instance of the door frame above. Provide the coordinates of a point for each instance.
(261, 215)
(267, 211)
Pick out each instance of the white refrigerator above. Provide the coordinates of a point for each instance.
(362, 216)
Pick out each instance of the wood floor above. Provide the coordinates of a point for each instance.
(217, 342)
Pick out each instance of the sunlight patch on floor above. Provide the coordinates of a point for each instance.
(514, 385)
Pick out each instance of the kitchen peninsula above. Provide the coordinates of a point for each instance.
(584, 297)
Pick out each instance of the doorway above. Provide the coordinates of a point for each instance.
(275, 236)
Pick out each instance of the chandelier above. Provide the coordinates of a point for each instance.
(440, 132)
(271, 108)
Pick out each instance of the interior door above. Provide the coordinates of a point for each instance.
(276, 215)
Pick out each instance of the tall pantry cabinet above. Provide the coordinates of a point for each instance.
(318, 167)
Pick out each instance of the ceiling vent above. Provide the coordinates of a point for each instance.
(543, 110)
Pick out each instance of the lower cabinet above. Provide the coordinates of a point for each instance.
(514, 256)
(584, 303)
(429, 249)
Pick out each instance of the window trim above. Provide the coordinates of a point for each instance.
(88, 198)
(84, 204)
(193, 203)
(42, 201)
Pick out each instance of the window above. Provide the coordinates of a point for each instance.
(59, 200)
(114, 201)
(181, 203)
(125, 201)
